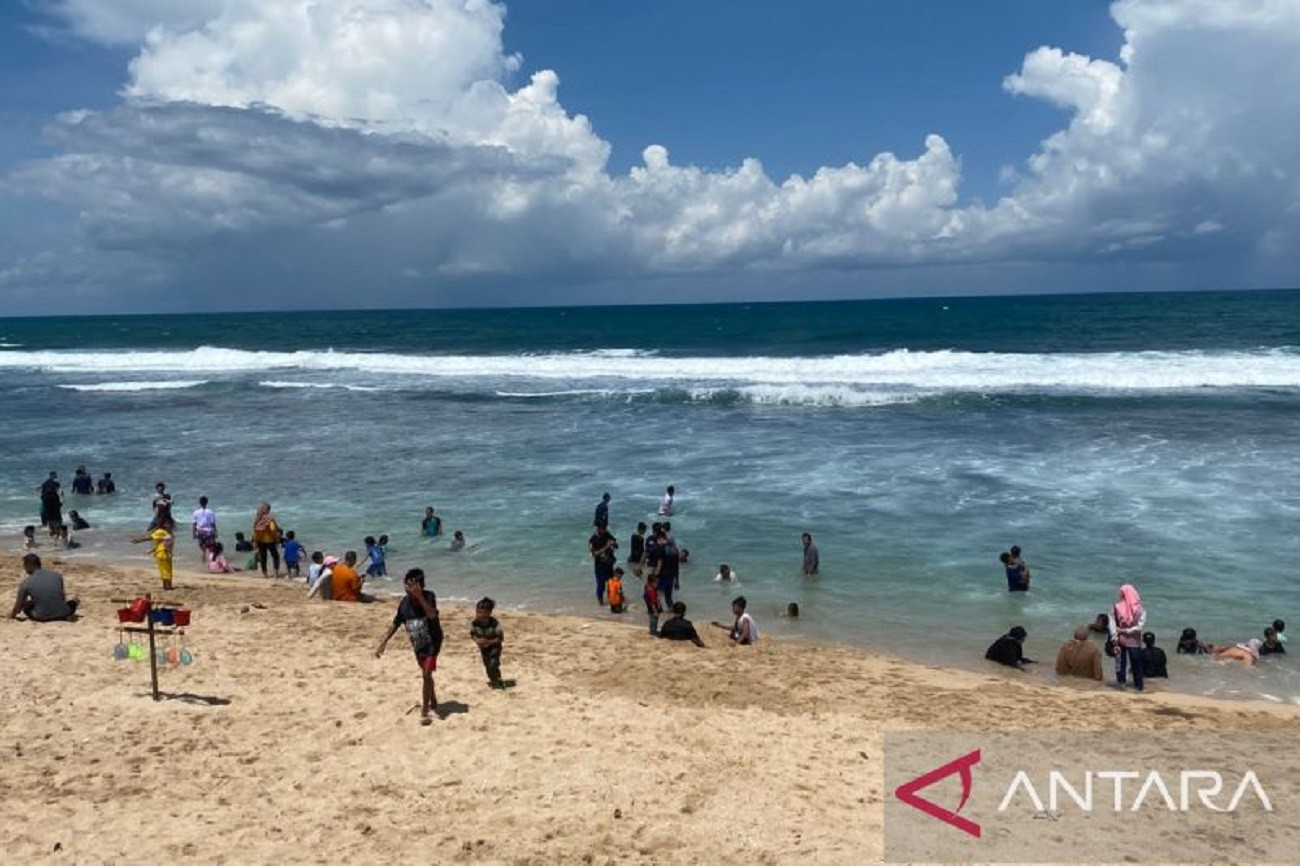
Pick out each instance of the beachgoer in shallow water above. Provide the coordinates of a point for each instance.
(1009, 649)
(457, 540)
(418, 612)
(266, 535)
(1018, 561)
(812, 561)
(614, 592)
(162, 502)
(242, 544)
(1246, 653)
(51, 500)
(792, 610)
(29, 538)
(78, 522)
(601, 546)
(1016, 581)
(217, 562)
(1101, 624)
(1280, 627)
(293, 551)
(650, 595)
(725, 574)
(82, 483)
(203, 524)
(105, 485)
(743, 631)
(666, 504)
(1127, 618)
(1190, 644)
(1154, 661)
(41, 595)
(1271, 645)
(489, 637)
(1079, 657)
(601, 517)
(431, 525)
(636, 556)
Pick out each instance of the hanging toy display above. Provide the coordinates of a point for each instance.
(164, 620)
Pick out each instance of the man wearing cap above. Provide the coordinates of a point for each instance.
(1009, 649)
(41, 595)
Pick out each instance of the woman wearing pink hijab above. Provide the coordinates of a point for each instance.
(1127, 619)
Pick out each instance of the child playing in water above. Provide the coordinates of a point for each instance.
(458, 540)
(614, 591)
(418, 611)
(292, 555)
(375, 553)
(650, 595)
(489, 636)
(217, 562)
(29, 538)
(161, 538)
(242, 544)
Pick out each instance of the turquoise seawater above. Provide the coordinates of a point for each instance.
(1144, 438)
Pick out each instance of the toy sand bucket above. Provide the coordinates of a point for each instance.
(182, 616)
(124, 614)
(163, 616)
(139, 609)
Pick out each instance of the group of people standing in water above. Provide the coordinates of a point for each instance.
(1133, 648)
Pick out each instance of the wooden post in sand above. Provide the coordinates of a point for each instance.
(152, 631)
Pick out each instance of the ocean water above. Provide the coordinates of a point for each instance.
(1144, 438)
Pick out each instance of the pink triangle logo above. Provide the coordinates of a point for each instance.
(907, 792)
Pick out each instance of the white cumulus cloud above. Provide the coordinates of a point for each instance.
(390, 130)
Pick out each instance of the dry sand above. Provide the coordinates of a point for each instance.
(288, 741)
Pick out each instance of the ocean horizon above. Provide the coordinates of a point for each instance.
(1119, 437)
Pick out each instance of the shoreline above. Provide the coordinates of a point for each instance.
(288, 740)
(1040, 674)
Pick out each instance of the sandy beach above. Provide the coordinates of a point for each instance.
(288, 741)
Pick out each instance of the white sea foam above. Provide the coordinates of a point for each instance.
(902, 370)
(319, 385)
(137, 386)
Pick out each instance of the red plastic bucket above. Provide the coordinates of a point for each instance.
(124, 615)
(139, 609)
(182, 616)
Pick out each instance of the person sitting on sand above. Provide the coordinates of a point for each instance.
(41, 596)
(1009, 649)
(345, 582)
(743, 631)
(323, 583)
(1247, 653)
(1101, 625)
(1154, 661)
(418, 611)
(1189, 644)
(725, 574)
(217, 562)
(1271, 645)
(1079, 657)
(678, 627)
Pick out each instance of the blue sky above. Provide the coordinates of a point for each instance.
(343, 153)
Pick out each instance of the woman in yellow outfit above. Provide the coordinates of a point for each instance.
(161, 536)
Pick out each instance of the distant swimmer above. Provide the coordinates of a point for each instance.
(812, 561)
(82, 483)
(457, 540)
(1009, 649)
(602, 512)
(105, 485)
(725, 574)
(1271, 645)
(1280, 627)
(666, 504)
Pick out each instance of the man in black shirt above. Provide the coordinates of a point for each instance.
(82, 484)
(1009, 649)
(602, 545)
(678, 627)
(1154, 661)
